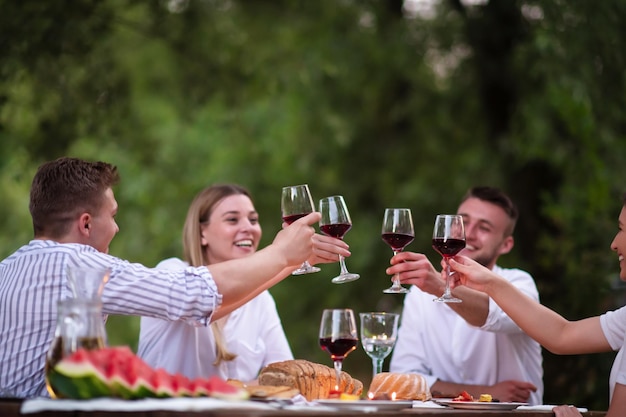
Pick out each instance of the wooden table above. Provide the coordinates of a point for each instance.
(11, 408)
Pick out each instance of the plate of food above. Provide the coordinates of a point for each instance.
(367, 404)
(477, 405)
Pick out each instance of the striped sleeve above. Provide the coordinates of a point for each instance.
(188, 293)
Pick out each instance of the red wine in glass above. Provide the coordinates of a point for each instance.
(397, 241)
(448, 240)
(448, 247)
(338, 348)
(338, 336)
(336, 222)
(397, 232)
(296, 202)
(293, 217)
(335, 230)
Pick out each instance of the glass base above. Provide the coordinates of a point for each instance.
(448, 299)
(343, 278)
(306, 270)
(396, 290)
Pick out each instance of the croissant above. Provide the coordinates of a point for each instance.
(405, 386)
(313, 380)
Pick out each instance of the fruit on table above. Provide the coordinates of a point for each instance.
(118, 372)
(464, 396)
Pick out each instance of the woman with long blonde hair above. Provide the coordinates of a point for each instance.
(222, 224)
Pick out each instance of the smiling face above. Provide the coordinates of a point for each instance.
(619, 243)
(233, 230)
(486, 231)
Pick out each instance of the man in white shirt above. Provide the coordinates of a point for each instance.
(73, 211)
(471, 346)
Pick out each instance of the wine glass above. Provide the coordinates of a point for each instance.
(338, 337)
(378, 336)
(448, 240)
(397, 233)
(336, 222)
(296, 202)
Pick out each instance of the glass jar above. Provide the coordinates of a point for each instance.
(80, 324)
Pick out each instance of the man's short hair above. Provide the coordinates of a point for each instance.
(63, 189)
(499, 198)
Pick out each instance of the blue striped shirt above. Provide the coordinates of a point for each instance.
(34, 278)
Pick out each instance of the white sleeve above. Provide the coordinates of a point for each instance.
(172, 264)
(408, 353)
(497, 319)
(613, 325)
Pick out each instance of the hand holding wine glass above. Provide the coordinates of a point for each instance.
(378, 336)
(296, 202)
(397, 232)
(336, 222)
(448, 240)
(338, 337)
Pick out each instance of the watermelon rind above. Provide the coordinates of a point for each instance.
(117, 372)
(78, 381)
(125, 373)
(121, 389)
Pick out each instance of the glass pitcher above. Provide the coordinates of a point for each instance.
(87, 282)
(80, 323)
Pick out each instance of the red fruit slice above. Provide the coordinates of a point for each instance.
(118, 372)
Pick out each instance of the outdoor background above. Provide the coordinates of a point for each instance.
(386, 102)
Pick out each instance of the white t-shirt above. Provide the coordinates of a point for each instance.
(614, 327)
(436, 342)
(253, 332)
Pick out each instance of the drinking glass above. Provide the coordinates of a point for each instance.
(296, 202)
(338, 337)
(397, 233)
(378, 336)
(79, 325)
(336, 222)
(448, 240)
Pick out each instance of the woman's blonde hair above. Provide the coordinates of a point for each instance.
(198, 215)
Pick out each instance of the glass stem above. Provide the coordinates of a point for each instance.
(377, 365)
(338, 374)
(396, 277)
(446, 293)
(342, 264)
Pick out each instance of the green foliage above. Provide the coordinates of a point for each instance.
(353, 98)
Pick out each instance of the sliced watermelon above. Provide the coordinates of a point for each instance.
(78, 378)
(130, 377)
(161, 380)
(118, 372)
(182, 385)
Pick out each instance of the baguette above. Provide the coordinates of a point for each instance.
(313, 380)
